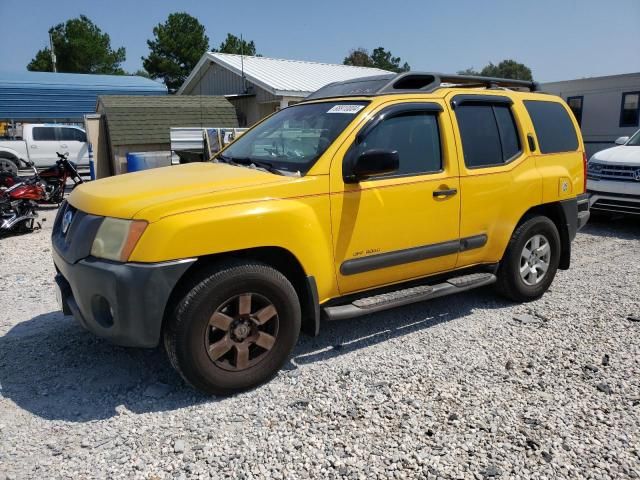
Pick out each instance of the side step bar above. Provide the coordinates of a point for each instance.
(385, 301)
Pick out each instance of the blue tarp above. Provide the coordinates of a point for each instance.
(43, 96)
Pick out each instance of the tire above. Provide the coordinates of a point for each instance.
(9, 165)
(215, 339)
(534, 281)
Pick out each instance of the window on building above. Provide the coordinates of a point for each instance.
(553, 126)
(489, 134)
(44, 134)
(575, 104)
(414, 135)
(630, 109)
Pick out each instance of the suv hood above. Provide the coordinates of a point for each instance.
(153, 194)
(621, 155)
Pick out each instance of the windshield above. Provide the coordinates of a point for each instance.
(635, 140)
(294, 138)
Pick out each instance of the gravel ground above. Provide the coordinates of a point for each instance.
(461, 387)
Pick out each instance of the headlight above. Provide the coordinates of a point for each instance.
(116, 238)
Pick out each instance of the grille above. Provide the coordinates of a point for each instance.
(606, 171)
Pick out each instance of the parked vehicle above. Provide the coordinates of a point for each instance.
(19, 197)
(53, 179)
(371, 194)
(39, 145)
(18, 203)
(613, 178)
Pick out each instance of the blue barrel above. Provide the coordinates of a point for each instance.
(135, 162)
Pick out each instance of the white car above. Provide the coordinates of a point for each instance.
(613, 178)
(39, 145)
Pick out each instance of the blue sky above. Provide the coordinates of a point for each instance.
(557, 39)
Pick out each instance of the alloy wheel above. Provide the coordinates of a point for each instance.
(242, 331)
(535, 259)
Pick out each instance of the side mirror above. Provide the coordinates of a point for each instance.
(622, 140)
(372, 163)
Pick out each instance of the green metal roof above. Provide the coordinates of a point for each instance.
(147, 120)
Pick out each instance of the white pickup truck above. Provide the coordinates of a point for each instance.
(39, 144)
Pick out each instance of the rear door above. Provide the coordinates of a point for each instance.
(43, 145)
(74, 141)
(498, 175)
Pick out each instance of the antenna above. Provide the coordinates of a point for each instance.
(244, 80)
(53, 54)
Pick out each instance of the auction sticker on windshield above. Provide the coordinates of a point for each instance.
(345, 109)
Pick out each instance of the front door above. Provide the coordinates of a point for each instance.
(74, 141)
(402, 225)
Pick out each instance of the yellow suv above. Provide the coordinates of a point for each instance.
(370, 194)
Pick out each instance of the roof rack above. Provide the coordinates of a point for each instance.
(415, 82)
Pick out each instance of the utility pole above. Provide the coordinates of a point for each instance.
(53, 54)
(244, 80)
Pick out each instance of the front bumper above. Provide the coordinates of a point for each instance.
(614, 196)
(122, 302)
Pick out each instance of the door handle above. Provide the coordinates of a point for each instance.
(63, 145)
(446, 192)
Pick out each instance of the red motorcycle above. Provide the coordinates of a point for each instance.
(20, 197)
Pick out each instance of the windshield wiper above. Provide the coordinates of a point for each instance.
(224, 159)
(250, 161)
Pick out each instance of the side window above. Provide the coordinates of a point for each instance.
(553, 126)
(489, 134)
(575, 104)
(416, 138)
(80, 135)
(44, 134)
(630, 109)
(71, 135)
(65, 134)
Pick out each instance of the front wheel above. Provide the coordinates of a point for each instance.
(531, 260)
(235, 329)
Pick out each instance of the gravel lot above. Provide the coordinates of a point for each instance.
(454, 388)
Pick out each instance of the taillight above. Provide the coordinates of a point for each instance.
(584, 171)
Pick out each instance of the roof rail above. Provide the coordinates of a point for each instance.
(414, 82)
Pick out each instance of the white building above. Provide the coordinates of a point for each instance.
(258, 86)
(606, 107)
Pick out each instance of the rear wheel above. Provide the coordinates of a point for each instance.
(9, 165)
(235, 329)
(531, 260)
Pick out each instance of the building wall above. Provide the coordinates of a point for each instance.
(217, 80)
(601, 106)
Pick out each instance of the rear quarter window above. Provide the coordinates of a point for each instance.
(553, 126)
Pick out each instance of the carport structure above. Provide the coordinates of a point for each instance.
(38, 97)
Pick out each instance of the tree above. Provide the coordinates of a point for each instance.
(358, 57)
(468, 71)
(80, 47)
(233, 44)
(140, 73)
(177, 46)
(505, 69)
(379, 58)
(386, 61)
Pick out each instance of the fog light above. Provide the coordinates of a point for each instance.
(102, 311)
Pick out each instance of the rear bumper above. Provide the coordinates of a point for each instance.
(121, 302)
(576, 214)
